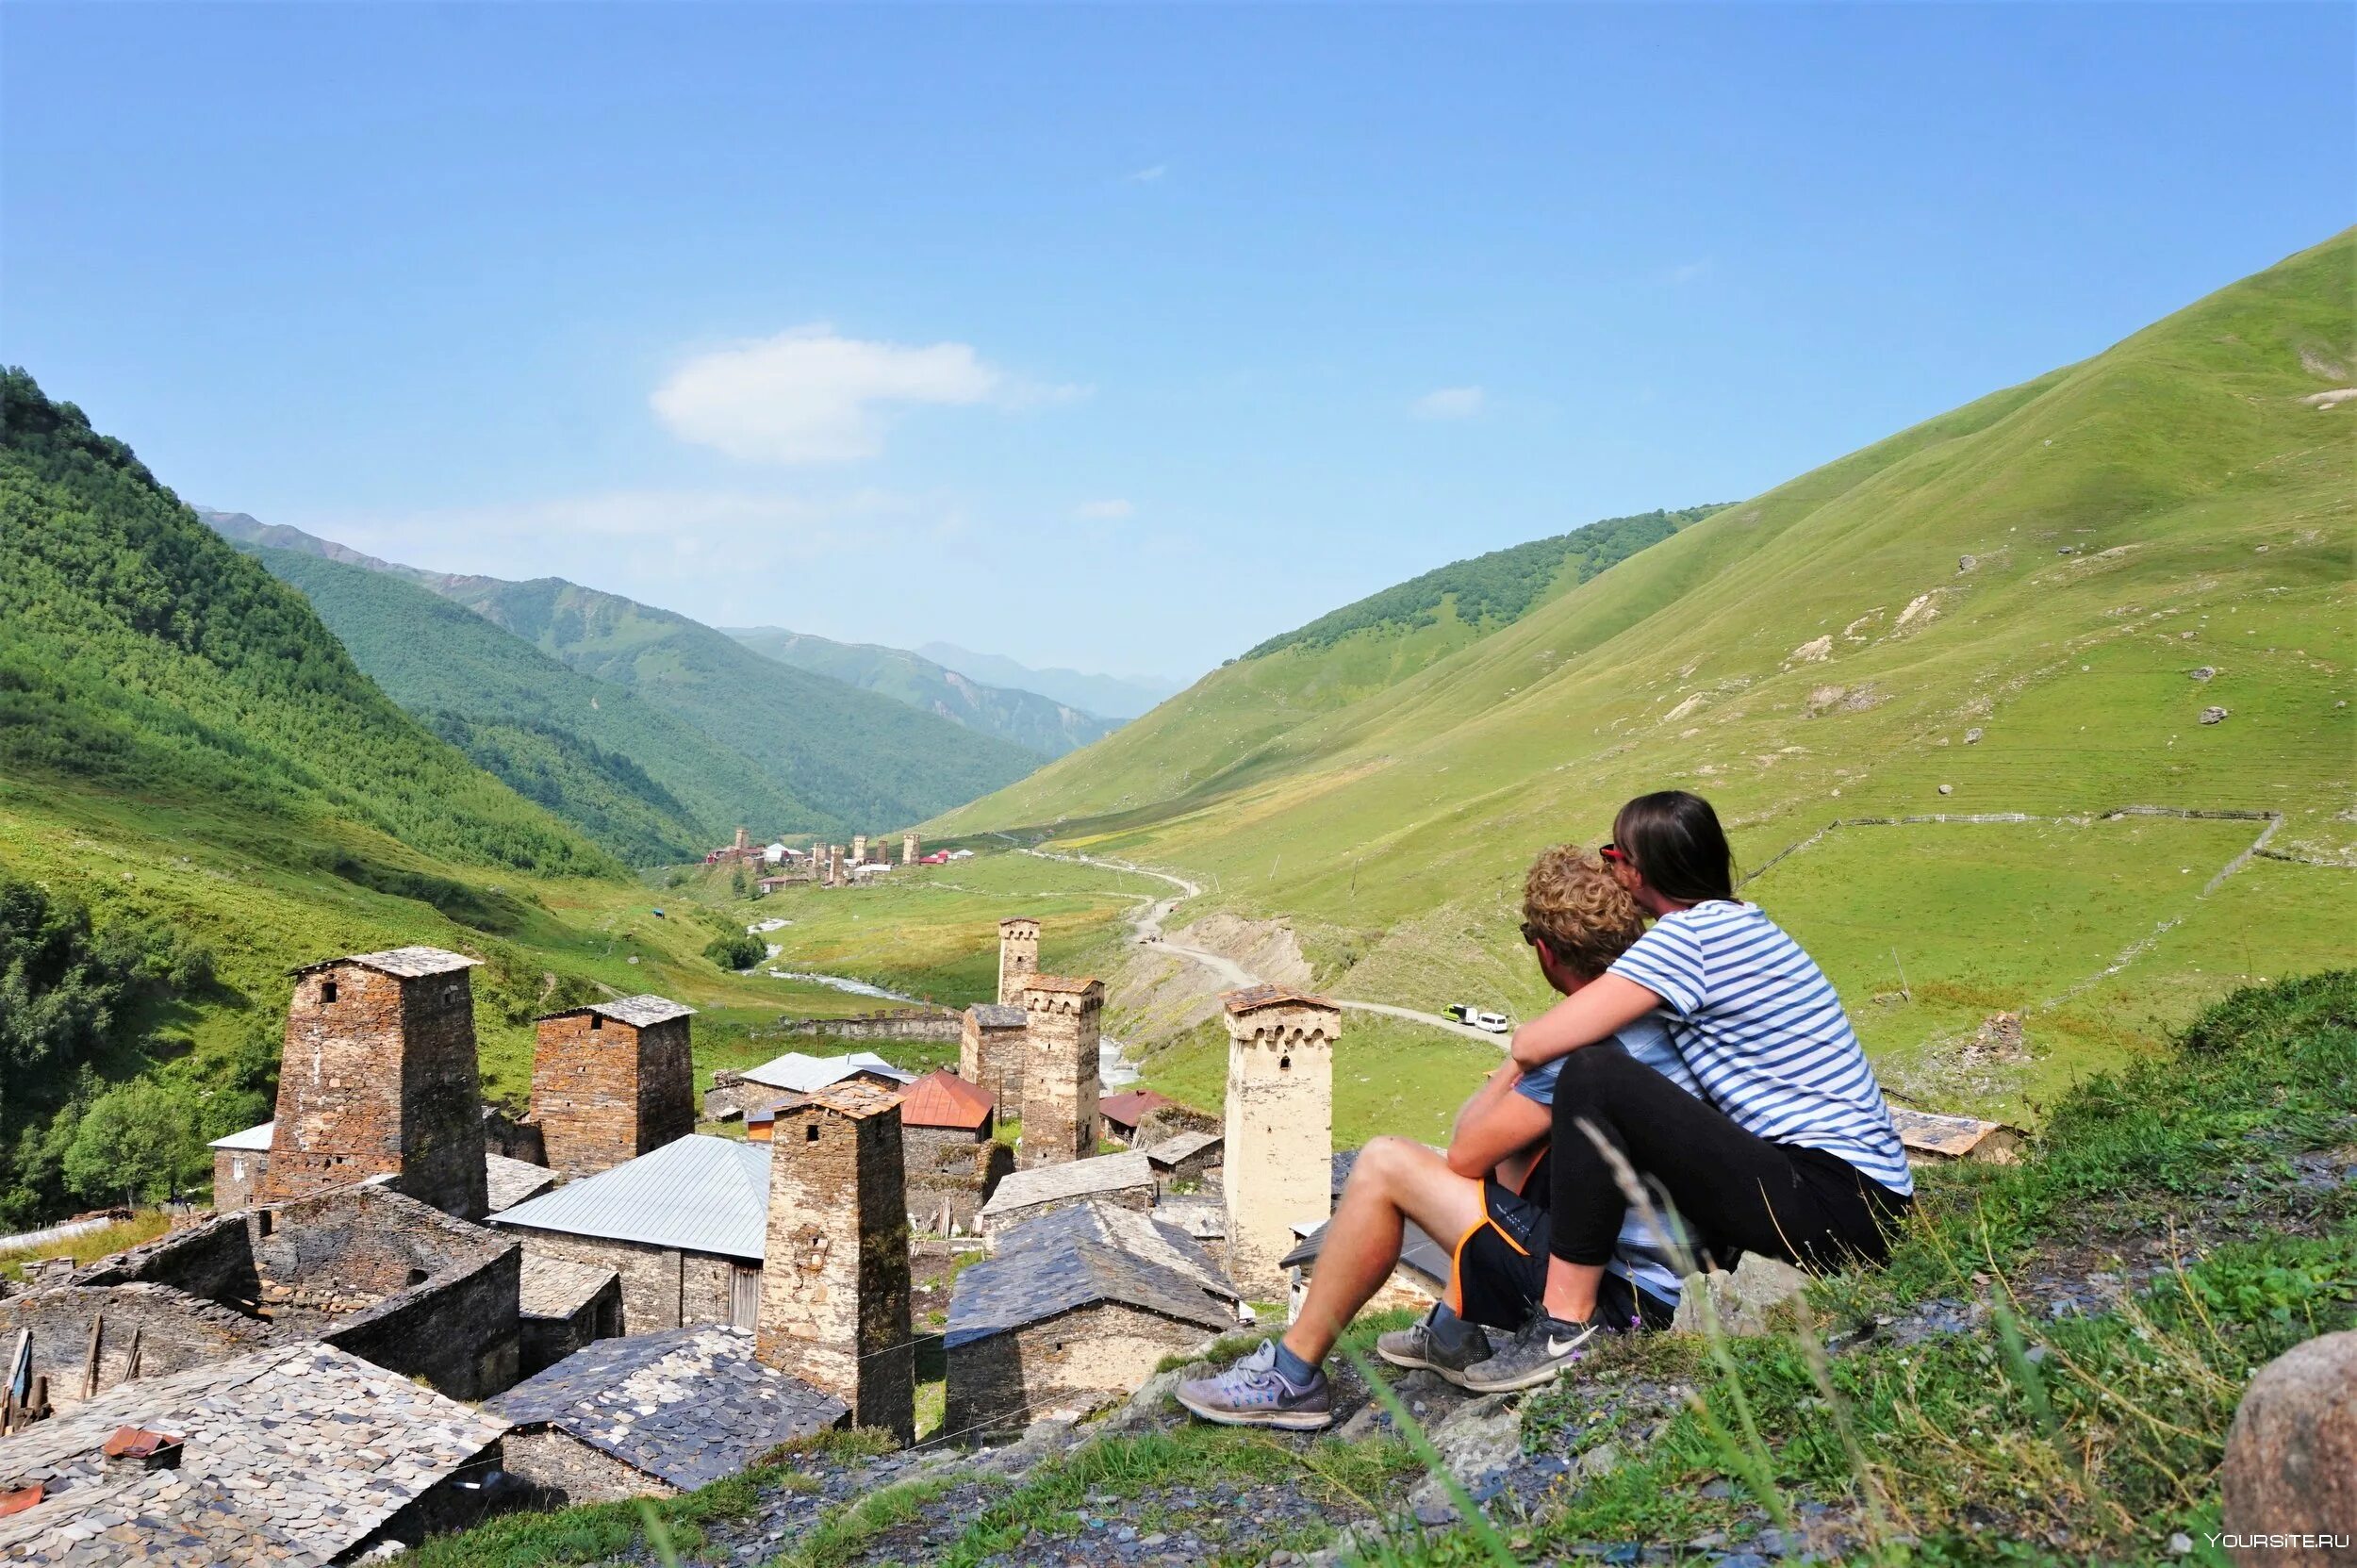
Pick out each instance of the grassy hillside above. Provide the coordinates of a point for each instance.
(2030, 601)
(1031, 721)
(633, 777)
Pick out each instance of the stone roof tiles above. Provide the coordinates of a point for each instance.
(1102, 1173)
(992, 1014)
(1252, 999)
(305, 1445)
(639, 1011)
(1016, 920)
(688, 1406)
(1180, 1145)
(853, 1099)
(699, 1194)
(1081, 1257)
(406, 962)
(1072, 984)
(557, 1287)
(509, 1182)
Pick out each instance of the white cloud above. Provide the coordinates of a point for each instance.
(1147, 176)
(1112, 510)
(1450, 402)
(811, 396)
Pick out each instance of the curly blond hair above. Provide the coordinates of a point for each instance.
(1573, 900)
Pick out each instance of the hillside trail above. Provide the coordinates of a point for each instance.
(1147, 925)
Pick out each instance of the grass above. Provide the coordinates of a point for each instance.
(1390, 1075)
(91, 1246)
(593, 1532)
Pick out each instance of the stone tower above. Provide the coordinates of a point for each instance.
(858, 848)
(817, 865)
(1018, 957)
(1061, 1020)
(991, 1054)
(834, 1274)
(1279, 1135)
(834, 866)
(611, 1082)
(743, 841)
(378, 1078)
(908, 849)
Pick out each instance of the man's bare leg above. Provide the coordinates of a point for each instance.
(1394, 1180)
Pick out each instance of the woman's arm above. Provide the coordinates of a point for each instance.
(1587, 1016)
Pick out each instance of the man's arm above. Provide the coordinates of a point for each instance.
(1587, 1016)
(1496, 1125)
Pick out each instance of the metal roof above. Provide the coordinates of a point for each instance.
(942, 1099)
(993, 1014)
(640, 1011)
(1100, 1173)
(700, 1193)
(407, 963)
(253, 1137)
(800, 1073)
(1130, 1106)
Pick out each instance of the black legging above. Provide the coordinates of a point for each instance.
(1734, 1191)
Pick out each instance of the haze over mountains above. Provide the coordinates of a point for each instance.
(1113, 696)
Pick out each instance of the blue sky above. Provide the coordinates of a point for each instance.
(1117, 338)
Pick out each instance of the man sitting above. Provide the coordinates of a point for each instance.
(1488, 1192)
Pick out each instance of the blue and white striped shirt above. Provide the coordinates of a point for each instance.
(1760, 1026)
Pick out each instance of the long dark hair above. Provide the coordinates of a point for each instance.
(1677, 846)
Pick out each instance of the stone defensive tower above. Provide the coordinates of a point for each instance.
(378, 1078)
(1279, 1134)
(858, 848)
(991, 1053)
(1018, 957)
(1061, 1020)
(611, 1082)
(834, 866)
(908, 849)
(834, 1275)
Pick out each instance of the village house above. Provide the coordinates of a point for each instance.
(1122, 1181)
(682, 1226)
(1184, 1158)
(562, 1307)
(611, 1080)
(1072, 1309)
(652, 1415)
(953, 1160)
(241, 1159)
(1120, 1114)
(292, 1454)
(1417, 1281)
(733, 1094)
(989, 1053)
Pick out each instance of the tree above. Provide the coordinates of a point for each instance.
(138, 1140)
(737, 884)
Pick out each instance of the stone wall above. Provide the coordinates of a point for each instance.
(236, 1176)
(836, 1298)
(1279, 1132)
(459, 1332)
(1140, 1197)
(662, 1287)
(1076, 1362)
(171, 1329)
(562, 1470)
(542, 1342)
(992, 1058)
(899, 1023)
(604, 1090)
(944, 1165)
(1059, 1067)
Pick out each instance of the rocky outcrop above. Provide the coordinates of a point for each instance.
(2290, 1475)
(1759, 1297)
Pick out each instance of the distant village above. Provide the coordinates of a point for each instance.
(824, 864)
(410, 1310)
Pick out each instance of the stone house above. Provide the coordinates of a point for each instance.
(1060, 1064)
(1120, 1114)
(1072, 1309)
(611, 1080)
(1121, 1181)
(952, 1159)
(290, 1454)
(561, 1307)
(240, 1161)
(989, 1053)
(1184, 1158)
(683, 1226)
(735, 1094)
(652, 1415)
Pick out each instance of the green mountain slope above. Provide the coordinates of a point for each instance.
(630, 776)
(2031, 601)
(1034, 722)
(141, 653)
(867, 761)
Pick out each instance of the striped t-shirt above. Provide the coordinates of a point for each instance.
(1760, 1026)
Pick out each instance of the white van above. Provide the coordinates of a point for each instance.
(1492, 1023)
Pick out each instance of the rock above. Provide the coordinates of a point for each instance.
(2203, 673)
(2291, 1455)
(1602, 1460)
(1475, 1444)
(1966, 563)
(2214, 716)
(2180, 1544)
(1947, 790)
(1972, 735)
(1757, 1299)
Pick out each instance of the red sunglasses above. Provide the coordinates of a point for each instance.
(1613, 851)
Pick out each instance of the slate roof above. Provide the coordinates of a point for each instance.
(511, 1181)
(407, 963)
(1073, 983)
(1180, 1145)
(942, 1099)
(557, 1287)
(639, 1011)
(255, 1138)
(1130, 1106)
(1254, 997)
(1082, 1256)
(699, 1194)
(1417, 1249)
(992, 1014)
(1198, 1215)
(688, 1406)
(800, 1073)
(305, 1445)
(1101, 1173)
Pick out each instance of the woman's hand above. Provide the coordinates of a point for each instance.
(1591, 1013)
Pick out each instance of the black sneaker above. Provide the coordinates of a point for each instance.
(1444, 1347)
(1545, 1347)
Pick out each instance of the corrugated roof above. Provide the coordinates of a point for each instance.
(1130, 1106)
(700, 1193)
(1101, 1173)
(992, 1014)
(942, 1099)
(407, 963)
(1082, 1256)
(1254, 997)
(639, 1011)
(253, 1137)
(799, 1073)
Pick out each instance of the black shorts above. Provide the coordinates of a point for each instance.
(1500, 1271)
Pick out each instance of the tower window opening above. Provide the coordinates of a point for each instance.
(327, 991)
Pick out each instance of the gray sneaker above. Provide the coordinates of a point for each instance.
(1543, 1348)
(1253, 1393)
(1435, 1348)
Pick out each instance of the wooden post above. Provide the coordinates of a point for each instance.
(89, 1361)
(131, 1362)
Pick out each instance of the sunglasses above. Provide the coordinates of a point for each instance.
(1615, 853)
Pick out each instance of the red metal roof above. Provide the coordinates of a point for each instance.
(1130, 1108)
(942, 1099)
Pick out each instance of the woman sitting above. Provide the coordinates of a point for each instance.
(1791, 1151)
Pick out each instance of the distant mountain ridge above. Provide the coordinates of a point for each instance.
(1041, 723)
(855, 760)
(1113, 696)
